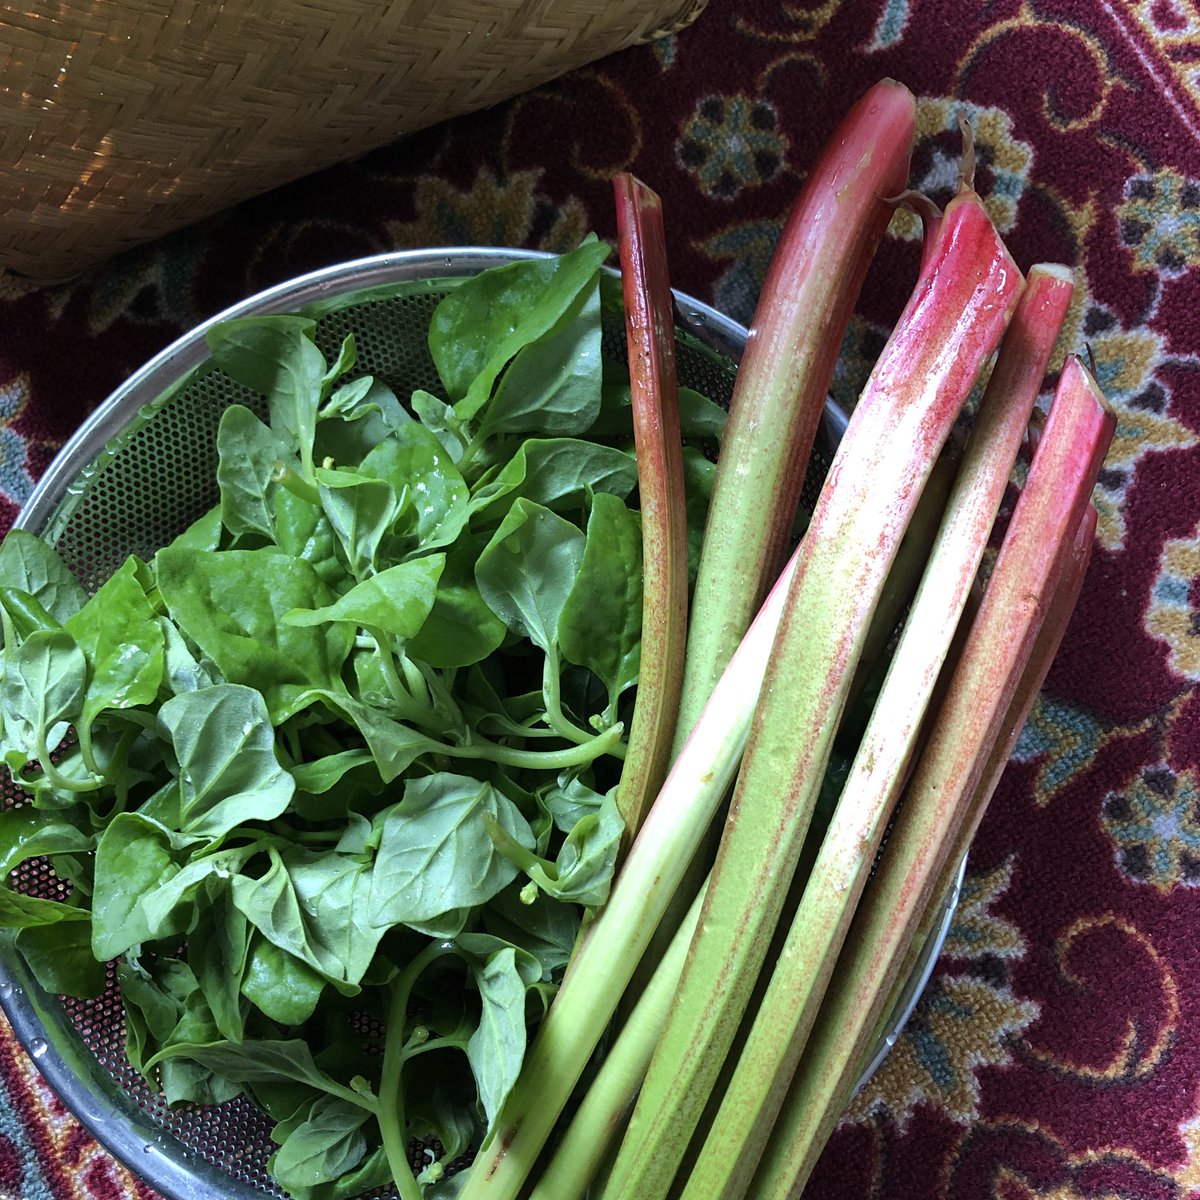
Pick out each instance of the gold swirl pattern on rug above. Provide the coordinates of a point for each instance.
(1030, 24)
(1087, 1029)
(805, 22)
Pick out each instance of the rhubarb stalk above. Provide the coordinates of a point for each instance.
(1044, 650)
(950, 327)
(650, 335)
(609, 950)
(815, 277)
(609, 1099)
(944, 797)
(785, 1017)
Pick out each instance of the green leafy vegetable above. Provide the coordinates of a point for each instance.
(346, 749)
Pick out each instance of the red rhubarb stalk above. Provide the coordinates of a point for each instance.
(951, 325)
(1040, 661)
(815, 277)
(766, 1065)
(945, 796)
(650, 334)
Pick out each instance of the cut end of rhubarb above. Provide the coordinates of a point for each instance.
(1075, 366)
(1057, 271)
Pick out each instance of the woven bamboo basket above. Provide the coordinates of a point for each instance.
(121, 120)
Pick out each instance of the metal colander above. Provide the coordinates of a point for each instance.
(140, 470)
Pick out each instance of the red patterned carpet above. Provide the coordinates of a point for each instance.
(1056, 1053)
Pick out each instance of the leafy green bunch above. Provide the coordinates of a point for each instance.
(331, 776)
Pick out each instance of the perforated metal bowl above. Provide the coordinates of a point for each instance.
(137, 473)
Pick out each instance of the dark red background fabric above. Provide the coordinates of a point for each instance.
(1056, 1052)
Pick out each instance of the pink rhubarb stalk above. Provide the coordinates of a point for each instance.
(815, 277)
(1040, 661)
(650, 334)
(788, 1010)
(945, 796)
(951, 325)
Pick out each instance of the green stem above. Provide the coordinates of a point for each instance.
(608, 742)
(57, 779)
(416, 710)
(417, 685)
(297, 484)
(616, 939)
(954, 547)
(121, 777)
(555, 717)
(391, 1088)
(83, 731)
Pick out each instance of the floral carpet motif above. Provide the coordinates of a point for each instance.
(1055, 1054)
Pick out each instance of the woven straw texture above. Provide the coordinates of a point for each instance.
(121, 120)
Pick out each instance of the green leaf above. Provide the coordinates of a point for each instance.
(30, 565)
(182, 671)
(316, 907)
(559, 473)
(497, 1047)
(440, 420)
(248, 455)
(304, 531)
(345, 362)
(316, 778)
(527, 571)
(60, 957)
(26, 612)
(277, 357)
(552, 384)
(601, 623)
(41, 690)
(225, 746)
(31, 833)
(372, 1175)
(545, 929)
(412, 458)
(482, 324)
(569, 800)
(398, 601)
(358, 416)
(700, 418)
(587, 860)
(362, 510)
(217, 951)
(19, 911)
(151, 1011)
(119, 634)
(264, 1059)
(284, 988)
(230, 603)
(395, 747)
(143, 890)
(204, 533)
(461, 629)
(327, 1144)
(435, 854)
